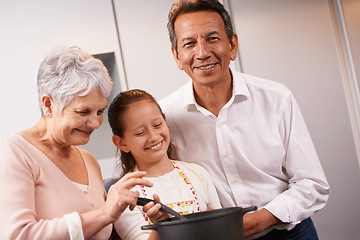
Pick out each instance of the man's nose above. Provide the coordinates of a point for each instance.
(202, 50)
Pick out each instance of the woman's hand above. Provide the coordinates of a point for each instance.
(152, 210)
(120, 196)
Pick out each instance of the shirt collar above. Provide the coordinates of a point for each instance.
(239, 88)
(189, 98)
(239, 84)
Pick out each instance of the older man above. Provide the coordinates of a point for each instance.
(246, 131)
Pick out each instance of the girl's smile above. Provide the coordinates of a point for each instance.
(156, 146)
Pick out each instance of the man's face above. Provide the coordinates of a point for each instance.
(204, 50)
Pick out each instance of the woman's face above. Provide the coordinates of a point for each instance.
(146, 134)
(75, 123)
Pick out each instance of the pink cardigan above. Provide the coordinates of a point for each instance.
(35, 194)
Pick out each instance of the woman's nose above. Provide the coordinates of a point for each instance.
(94, 122)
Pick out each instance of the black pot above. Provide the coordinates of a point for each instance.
(219, 224)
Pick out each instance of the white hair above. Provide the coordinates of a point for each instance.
(68, 72)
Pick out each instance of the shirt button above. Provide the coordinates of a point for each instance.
(93, 205)
(86, 192)
(234, 180)
(226, 155)
(219, 125)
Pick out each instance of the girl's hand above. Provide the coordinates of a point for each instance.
(152, 210)
(120, 196)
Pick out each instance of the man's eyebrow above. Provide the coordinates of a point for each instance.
(212, 33)
(207, 35)
(186, 39)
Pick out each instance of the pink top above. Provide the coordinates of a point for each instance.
(35, 194)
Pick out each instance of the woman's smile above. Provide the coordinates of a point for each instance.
(83, 131)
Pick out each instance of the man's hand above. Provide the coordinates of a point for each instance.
(256, 222)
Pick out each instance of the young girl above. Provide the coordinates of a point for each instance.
(141, 133)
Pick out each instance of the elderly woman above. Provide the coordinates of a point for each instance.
(50, 188)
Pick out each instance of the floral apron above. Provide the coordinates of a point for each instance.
(183, 207)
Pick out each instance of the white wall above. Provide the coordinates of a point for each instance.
(29, 29)
(293, 42)
(290, 41)
(351, 9)
(146, 47)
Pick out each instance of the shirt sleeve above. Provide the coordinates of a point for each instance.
(17, 199)
(74, 225)
(128, 226)
(308, 188)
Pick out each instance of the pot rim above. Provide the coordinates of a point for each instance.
(216, 213)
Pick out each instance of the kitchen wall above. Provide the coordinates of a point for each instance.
(296, 42)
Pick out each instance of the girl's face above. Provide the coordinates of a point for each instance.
(146, 134)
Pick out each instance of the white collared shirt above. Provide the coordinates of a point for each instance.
(258, 150)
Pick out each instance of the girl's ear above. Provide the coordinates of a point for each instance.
(120, 143)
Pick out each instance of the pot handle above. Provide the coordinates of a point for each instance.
(142, 201)
(149, 227)
(249, 209)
